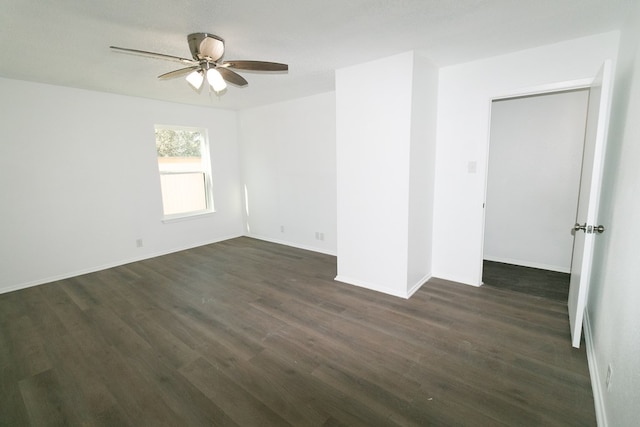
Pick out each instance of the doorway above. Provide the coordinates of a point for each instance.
(533, 181)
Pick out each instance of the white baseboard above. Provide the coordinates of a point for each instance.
(370, 286)
(418, 285)
(596, 384)
(348, 280)
(293, 245)
(383, 289)
(559, 269)
(94, 269)
(451, 278)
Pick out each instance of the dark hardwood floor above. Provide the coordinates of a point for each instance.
(247, 332)
(531, 281)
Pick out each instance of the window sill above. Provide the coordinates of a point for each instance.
(186, 217)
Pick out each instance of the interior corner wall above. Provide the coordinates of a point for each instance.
(612, 315)
(464, 99)
(373, 130)
(79, 182)
(288, 164)
(421, 171)
(535, 162)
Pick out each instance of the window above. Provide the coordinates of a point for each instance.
(185, 171)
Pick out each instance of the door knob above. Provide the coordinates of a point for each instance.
(579, 227)
(599, 229)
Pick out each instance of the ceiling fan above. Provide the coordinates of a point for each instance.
(207, 51)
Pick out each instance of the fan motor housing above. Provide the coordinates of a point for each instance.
(205, 46)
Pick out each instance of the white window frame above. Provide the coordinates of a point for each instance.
(205, 155)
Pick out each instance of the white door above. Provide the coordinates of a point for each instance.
(586, 219)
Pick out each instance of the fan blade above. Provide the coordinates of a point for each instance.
(178, 73)
(154, 55)
(256, 65)
(232, 77)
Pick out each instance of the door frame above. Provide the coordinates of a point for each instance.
(545, 89)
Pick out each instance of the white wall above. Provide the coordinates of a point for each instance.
(289, 172)
(378, 182)
(373, 124)
(464, 100)
(422, 171)
(535, 159)
(79, 181)
(612, 315)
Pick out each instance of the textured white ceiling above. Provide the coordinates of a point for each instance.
(66, 42)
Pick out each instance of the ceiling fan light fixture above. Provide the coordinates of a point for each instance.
(207, 51)
(195, 79)
(215, 80)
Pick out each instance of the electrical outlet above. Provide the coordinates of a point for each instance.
(139, 243)
(282, 228)
(608, 379)
(472, 167)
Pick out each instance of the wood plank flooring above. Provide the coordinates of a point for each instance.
(531, 281)
(250, 333)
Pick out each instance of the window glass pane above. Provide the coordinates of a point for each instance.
(182, 193)
(178, 150)
(183, 163)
